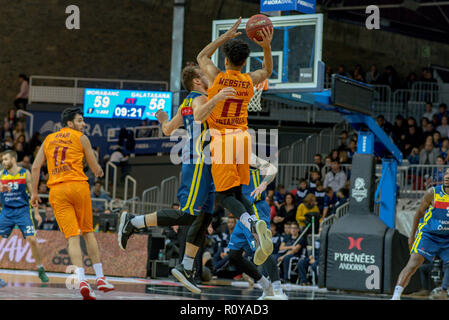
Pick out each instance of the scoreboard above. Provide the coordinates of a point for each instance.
(125, 104)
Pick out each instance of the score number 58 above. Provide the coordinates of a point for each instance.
(157, 103)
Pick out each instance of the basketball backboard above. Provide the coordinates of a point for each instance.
(296, 50)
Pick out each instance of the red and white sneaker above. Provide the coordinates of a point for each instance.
(104, 285)
(86, 291)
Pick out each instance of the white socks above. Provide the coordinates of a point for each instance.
(277, 286)
(397, 293)
(80, 274)
(187, 262)
(264, 283)
(246, 218)
(98, 267)
(139, 222)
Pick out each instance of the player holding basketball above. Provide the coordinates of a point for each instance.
(228, 121)
(196, 192)
(432, 237)
(69, 195)
(242, 240)
(15, 187)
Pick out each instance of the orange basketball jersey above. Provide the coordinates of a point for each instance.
(64, 154)
(231, 113)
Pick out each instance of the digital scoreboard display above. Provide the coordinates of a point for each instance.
(125, 104)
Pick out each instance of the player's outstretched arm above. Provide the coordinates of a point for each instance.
(204, 57)
(35, 173)
(90, 157)
(425, 203)
(268, 170)
(203, 108)
(169, 126)
(260, 75)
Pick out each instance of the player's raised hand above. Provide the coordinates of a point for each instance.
(161, 116)
(225, 93)
(35, 200)
(232, 32)
(267, 37)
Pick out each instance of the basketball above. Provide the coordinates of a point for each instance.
(255, 25)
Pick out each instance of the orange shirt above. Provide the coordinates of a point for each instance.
(64, 154)
(231, 113)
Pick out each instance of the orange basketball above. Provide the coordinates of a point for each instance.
(255, 24)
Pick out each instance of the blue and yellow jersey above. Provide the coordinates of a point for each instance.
(255, 178)
(436, 218)
(18, 196)
(195, 130)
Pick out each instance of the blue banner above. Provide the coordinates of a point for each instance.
(304, 6)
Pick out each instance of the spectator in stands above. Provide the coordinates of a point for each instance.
(302, 191)
(430, 111)
(413, 158)
(330, 199)
(409, 81)
(428, 130)
(343, 157)
(220, 259)
(444, 150)
(399, 129)
(319, 194)
(352, 149)
(286, 213)
(443, 128)
(342, 198)
(411, 121)
(335, 178)
(429, 154)
(49, 221)
(273, 209)
(442, 111)
(291, 250)
(36, 140)
(279, 196)
(26, 145)
(327, 162)
(357, 74)
(384, 124)
(99, 207)
(412, 140)
(309, 205)
(436, 139)
(334, 155)
(25, 163)
(18, 148)
(144, 132)
(437, 173)
(341, 71)
(119, 159)
(276, 238)
(22, 97)
(127, 142)
(426, 76)
(372, 76)
(20, 130)
(343, 141)
(314, 177)
(390, 78)
(6, 131)
(318, 160)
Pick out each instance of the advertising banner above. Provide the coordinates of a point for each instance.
(15, 253)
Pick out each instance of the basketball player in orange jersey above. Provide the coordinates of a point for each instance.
(69, 195)
(228, 122)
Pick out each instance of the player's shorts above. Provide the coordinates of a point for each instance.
(22, 217)
(72, 207)
(241, 237)
(231, 155)
(428, 245)
(196, 192)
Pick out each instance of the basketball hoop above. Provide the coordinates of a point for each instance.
(254, 104)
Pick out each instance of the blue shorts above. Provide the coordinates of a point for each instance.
(22, 217)
(429, 245)
(196, 192)
(241, 237)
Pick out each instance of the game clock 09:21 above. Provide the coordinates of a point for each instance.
(125, 104)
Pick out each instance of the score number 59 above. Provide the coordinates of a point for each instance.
(102, 101)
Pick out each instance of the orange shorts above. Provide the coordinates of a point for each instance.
(231, 155)
(72, 207)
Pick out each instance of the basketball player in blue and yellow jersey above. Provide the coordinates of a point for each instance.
(16, 209)
(430, 235)
(261, 175)
(228, 122)
(196, 191)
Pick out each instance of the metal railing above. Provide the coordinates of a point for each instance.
(340, 212)
(71, 89)
(169, 188)
(128, 179)
(290, 174)
(109, 164)
(414, 180)
(31, 121)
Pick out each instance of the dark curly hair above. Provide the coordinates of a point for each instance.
(69, 114)
(237, 51)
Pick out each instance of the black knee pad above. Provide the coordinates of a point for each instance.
(198, 229)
